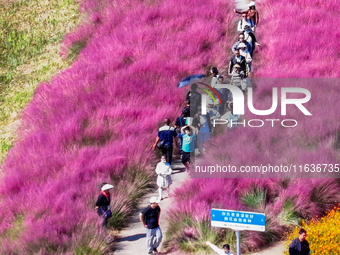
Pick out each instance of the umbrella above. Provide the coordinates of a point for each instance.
(189, 80)
(241, 5)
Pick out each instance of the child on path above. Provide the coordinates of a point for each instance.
(163, 170)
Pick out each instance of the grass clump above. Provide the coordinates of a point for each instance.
(255, 198)
(190, 235)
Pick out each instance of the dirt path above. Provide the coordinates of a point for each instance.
(133, 239)
(276, 249)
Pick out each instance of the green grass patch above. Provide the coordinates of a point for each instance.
(256, 198)
(190, 235)
(5, 146)
(288, 215)
(75, 49)
(30, 36)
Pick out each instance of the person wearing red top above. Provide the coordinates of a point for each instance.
(251, 14)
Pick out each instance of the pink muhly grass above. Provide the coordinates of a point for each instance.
(299, 39)
(98, 118)
(295, 39)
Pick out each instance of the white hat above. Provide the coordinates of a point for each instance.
(153, 200)
(252, 3)
(106, 187)
(242, 45)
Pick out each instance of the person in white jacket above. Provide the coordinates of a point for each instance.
(224, 251)
(243, 22)
(163, 170)
(246, 54)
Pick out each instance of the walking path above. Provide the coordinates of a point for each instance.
(277, 249)
(133, 239)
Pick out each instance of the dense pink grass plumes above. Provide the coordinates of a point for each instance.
(295, 38)
(98, 118)
(298, 39)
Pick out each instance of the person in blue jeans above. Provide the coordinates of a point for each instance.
(150, 219)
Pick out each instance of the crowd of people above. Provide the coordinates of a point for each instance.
(193, 128)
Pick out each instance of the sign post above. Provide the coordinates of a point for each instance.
(238, 237)
(238, 220)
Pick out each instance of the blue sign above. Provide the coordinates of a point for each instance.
(238, 220)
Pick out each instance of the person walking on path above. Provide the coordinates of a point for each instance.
(179, 123)
(224, 251)
(203, 124)
(250, 37)
(188, 146)
(164, 140)
(243, 22)
(103, 203)
(300, 245)
(241, 39)
(194, 98)
(150, 219)
(163, 170)
(246, 54)
(237, 59)
(214, 80)
(251, 15)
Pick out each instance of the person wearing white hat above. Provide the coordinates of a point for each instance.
(253, 14)
(163, 170)
(246, 54)
(103, 203)
(150, 219)
(241, 39)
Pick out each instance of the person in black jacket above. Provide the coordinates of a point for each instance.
(103, 203)
(150, 220)
(166, 134)
(237, 58)
(194, 98)
(300, 246)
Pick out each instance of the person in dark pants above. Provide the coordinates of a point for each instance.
(103, 203)
(180, 122)
(194, 98)
(237, 59)
(150, 219)
(300, 245)
(166, 134)
(188, 146)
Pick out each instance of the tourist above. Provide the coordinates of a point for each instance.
(150, 219)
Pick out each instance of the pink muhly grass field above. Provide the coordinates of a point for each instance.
(297, 39)
(98, 118)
